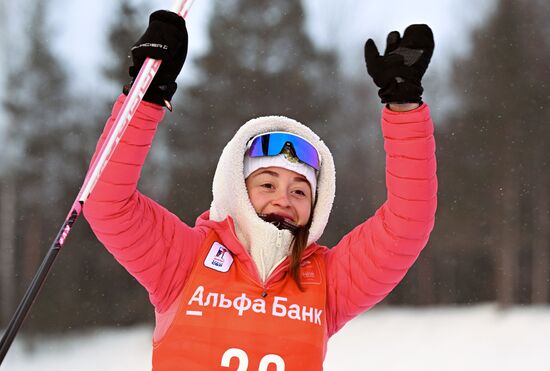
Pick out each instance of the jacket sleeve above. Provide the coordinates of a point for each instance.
(154, 245)
(371, 260)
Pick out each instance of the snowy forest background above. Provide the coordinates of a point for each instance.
(490, 101)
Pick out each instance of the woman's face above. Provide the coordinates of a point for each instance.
(275, 190)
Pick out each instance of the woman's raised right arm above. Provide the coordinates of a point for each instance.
(154, 245)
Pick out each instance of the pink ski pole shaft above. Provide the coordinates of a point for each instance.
(135, 96)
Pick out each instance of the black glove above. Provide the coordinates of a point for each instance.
(165, 39)
(398, 73)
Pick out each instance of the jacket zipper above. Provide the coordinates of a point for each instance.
(278, 244)
(278, 269)
(257, 278)
(279, 239)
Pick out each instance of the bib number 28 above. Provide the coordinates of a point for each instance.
(242, 357)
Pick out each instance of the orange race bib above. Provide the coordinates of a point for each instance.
(228, 321)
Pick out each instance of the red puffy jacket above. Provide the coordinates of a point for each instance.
(159, 250)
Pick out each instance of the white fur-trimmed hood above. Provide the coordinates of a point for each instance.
(230, 197)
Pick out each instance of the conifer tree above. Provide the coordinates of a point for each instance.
(491, 151)
(36, 107)
(260, 62)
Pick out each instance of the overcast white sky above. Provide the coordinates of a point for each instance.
(79, 32)
(81, 27)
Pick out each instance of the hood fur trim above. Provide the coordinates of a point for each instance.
(230, 197)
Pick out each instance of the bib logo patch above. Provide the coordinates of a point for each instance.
(219, 258)
(310, 272)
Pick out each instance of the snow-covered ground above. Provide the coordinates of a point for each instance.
(475, 338)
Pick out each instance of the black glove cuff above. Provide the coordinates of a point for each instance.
(401, 92)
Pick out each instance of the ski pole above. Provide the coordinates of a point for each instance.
(135, 96)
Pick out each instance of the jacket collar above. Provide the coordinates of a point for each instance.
(226, 231)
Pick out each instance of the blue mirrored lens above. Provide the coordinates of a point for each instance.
(272, 144)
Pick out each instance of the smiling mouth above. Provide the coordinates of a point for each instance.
(287, 218)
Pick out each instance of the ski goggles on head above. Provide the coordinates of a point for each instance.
(274, 143)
